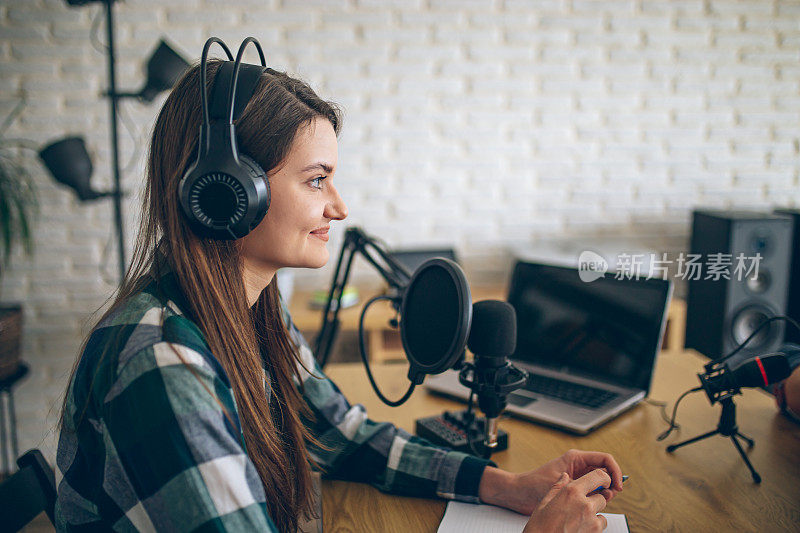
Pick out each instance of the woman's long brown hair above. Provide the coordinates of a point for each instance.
(210, 276)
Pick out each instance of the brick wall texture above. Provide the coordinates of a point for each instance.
(481, 124)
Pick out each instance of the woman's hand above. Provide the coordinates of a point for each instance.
(524, 492)
(571, 506)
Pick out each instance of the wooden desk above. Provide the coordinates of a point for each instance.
(702, 487)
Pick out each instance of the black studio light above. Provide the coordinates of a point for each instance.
(70, 164)
(68, 160)
(164, 68)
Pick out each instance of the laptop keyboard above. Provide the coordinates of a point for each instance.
(569, 392)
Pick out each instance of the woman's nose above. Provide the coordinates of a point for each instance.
(335, 209)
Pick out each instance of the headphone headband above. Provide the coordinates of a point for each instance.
(249, 75)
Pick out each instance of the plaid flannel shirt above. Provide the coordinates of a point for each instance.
(145, 444)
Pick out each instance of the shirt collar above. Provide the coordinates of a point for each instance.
(166, 288)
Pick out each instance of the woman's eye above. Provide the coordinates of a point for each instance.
(317, 182)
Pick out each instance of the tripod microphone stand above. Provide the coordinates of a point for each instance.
(727, 427)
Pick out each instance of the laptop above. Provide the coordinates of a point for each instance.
(590, 347)
(413, 258)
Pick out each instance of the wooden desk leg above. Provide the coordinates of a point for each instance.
(676, 326)
(679, 330)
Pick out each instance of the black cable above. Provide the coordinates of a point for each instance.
(663, 410)
(363, 350)
(11, 116)
(93, 38)
(469, 403)
(672, 424)
(790, 320)
(131, 127)
(21, 143)
(467, 427)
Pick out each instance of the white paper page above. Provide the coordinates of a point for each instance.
(471, 518)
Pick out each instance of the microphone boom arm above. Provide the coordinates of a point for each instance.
(394, 273)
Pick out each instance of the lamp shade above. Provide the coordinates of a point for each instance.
(70, 164)
(164, 69)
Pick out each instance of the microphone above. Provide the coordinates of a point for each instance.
(435, 317)
(492, 339)
(759, 371)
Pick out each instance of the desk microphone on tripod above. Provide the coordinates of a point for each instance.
(722, 382)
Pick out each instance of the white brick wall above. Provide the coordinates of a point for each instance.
(483, 123)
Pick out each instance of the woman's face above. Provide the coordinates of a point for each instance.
(294, 231)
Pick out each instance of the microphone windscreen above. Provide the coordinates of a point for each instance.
(494, 329)
(761, 371)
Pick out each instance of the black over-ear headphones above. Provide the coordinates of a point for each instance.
(225, 194)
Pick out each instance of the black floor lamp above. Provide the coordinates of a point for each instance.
(67, 159)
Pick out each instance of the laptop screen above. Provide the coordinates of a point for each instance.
(607, 329)
(412, 259)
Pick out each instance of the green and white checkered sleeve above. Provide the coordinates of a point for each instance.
(169, 440)
(381, 454)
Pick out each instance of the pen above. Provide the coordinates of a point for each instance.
(624, 479)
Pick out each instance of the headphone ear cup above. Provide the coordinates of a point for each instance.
(258, 208)
(224, 199)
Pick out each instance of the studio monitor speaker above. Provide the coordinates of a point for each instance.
(793, 303)
(725, 306)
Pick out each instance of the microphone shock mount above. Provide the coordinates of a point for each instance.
(492, 379)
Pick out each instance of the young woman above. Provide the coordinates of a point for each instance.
(196, 404)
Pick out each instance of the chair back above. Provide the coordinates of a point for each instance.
(28, 492)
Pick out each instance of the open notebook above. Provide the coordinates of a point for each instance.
(471, 518)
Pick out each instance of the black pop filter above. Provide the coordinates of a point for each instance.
(436, 316)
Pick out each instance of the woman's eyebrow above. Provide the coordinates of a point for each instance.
(318, 165)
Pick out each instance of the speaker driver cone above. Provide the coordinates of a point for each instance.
(759, 282)
(747, 320)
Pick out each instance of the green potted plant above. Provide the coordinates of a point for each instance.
(18, 209)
